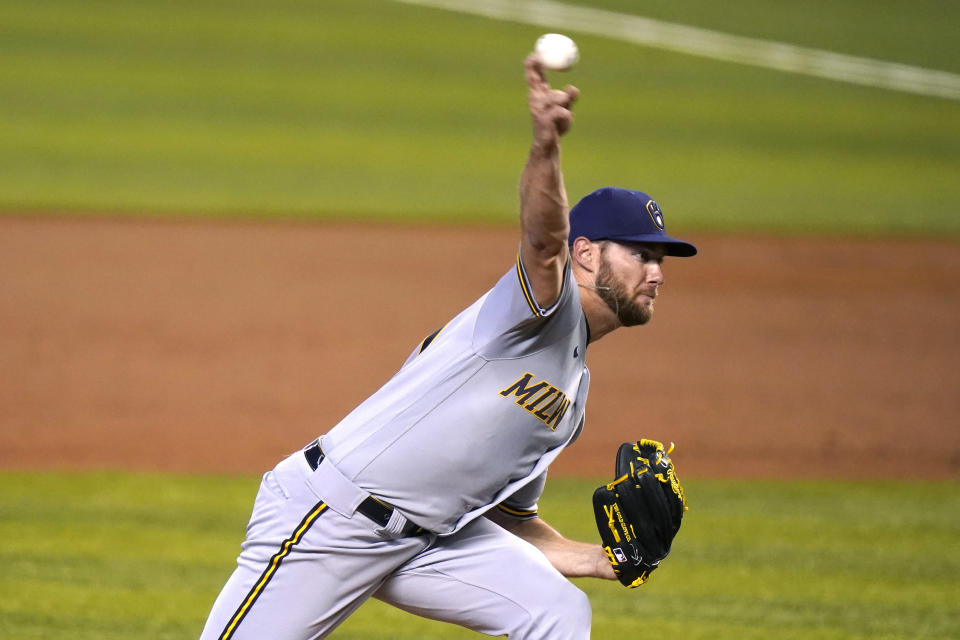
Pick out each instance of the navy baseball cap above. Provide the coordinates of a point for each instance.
(623, 215)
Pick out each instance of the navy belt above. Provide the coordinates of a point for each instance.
(377, 510)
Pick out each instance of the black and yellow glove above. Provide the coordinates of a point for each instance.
(639, 513)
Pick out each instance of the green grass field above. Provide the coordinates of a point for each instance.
(374, 110)
(110, 555)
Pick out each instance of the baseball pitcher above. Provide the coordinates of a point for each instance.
(425, 495)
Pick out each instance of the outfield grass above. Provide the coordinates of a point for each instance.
(374, 110)
(918, 33)
(110, 555)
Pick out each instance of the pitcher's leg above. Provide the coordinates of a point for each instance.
(304, 568)
(277, 592)
(488, 580)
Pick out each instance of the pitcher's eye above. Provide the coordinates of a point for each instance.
(645, 257)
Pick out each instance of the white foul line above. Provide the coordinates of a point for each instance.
(712, 44)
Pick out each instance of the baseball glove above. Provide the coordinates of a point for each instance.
(639, 513)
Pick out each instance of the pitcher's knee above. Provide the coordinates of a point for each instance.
(563, 614)
(577, 613)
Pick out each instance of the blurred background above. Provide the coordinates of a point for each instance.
(224, 223)
(208, 203)
(383, 110)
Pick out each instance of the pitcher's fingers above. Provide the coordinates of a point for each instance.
(534, 71)
(563, 98)
(562, 118)
(572, 92)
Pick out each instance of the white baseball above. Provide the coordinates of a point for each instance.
(556, 52)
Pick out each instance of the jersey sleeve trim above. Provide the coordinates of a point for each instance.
(430, 338)
(523, 514)
(537, 310)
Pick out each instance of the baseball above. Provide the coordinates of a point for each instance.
(557, 52)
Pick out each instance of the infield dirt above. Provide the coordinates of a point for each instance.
(222, 346)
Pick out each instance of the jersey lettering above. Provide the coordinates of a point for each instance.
(548, 407)
(534, 404)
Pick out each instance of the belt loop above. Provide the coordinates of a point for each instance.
(396, 525)
(314, 454)
(346, 498)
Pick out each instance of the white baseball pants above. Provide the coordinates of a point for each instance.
(305, 567)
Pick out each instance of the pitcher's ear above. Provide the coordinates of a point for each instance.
(586, 254)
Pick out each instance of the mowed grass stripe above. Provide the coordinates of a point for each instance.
(384, 111)
(780, 56)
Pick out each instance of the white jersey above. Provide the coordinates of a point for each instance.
(476, 413)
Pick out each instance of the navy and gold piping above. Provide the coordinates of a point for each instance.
(525, 286)
(430, 338)
(271, 569)
(518, 513)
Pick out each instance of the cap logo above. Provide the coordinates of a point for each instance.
(655, 214)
